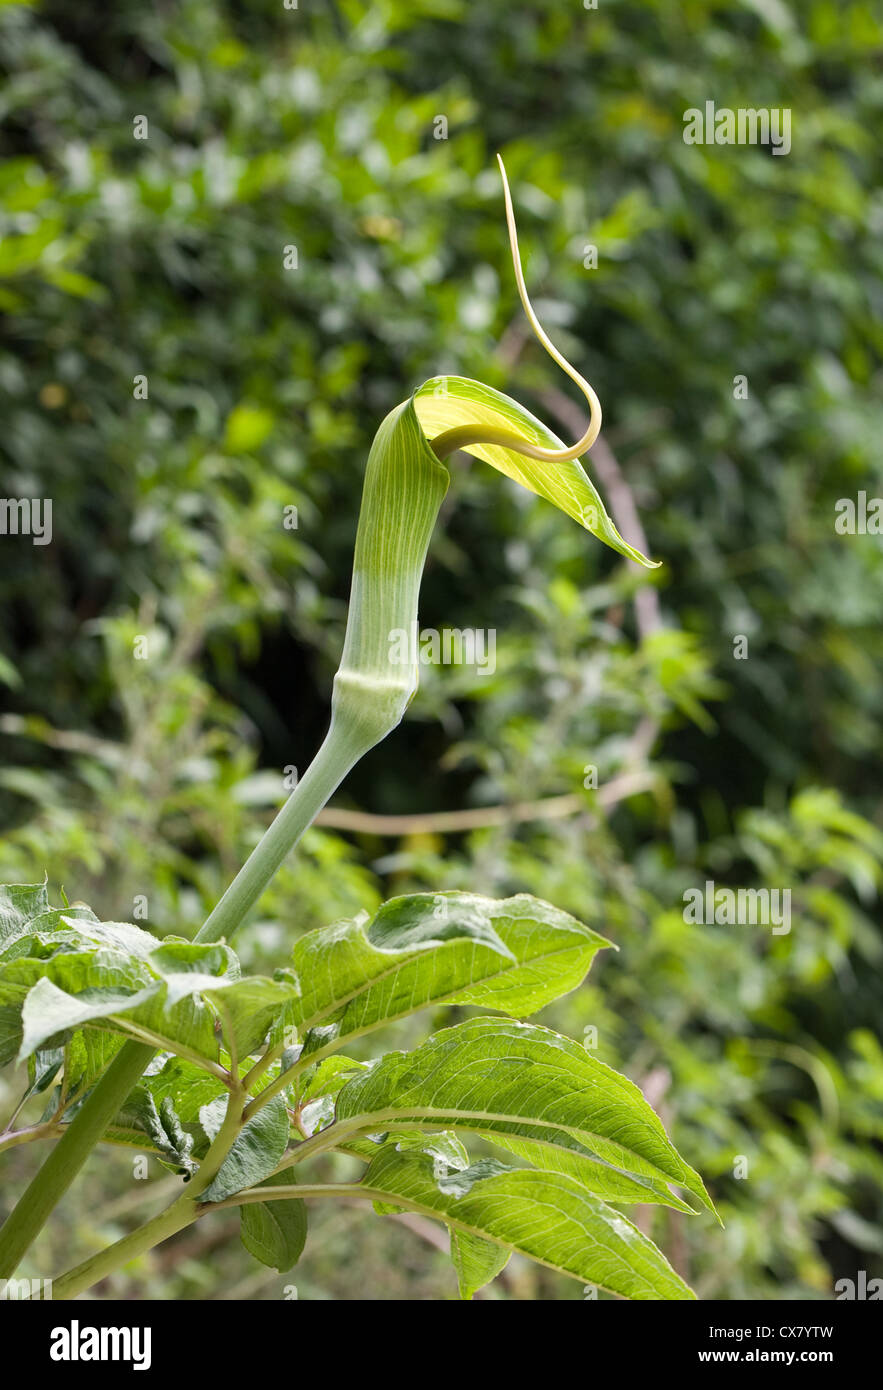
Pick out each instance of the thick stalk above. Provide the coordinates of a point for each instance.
(113, 1257)
(168, 1223)
(339, 753)
(70, 1153)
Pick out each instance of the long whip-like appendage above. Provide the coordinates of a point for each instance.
(464, 435)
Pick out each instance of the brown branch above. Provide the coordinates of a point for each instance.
(451, 822)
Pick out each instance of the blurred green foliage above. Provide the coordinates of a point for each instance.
(165, 257)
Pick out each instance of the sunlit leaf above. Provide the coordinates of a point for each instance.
(513, 954)
(546, 1216)
(492, 1075)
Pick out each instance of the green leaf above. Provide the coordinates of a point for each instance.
(52, 932)
(166, 1107)
(112, 975)
(74, 929)
(254, 1152)
(19, 902)
(275, 1232)
(34, 938)
(558, 1152)
(329, 1076)
(447, 402)
(103, 992)
(476, 1260)
(496, 1077)
(141, 1120)
(248, 1008)
(187, 966)
(185, 1084)
(318, 1097)
(10, 1031)
(546, 1216)
(515, 954)
(87, 1054)
(43, 1067)
(49, 1012)
(445, 1151)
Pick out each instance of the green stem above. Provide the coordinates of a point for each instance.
(346, 742)
(70, 1153)
(250, 1195)
(14, 1137)
(338, 754)
(184, 1210)
(182, 1213)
